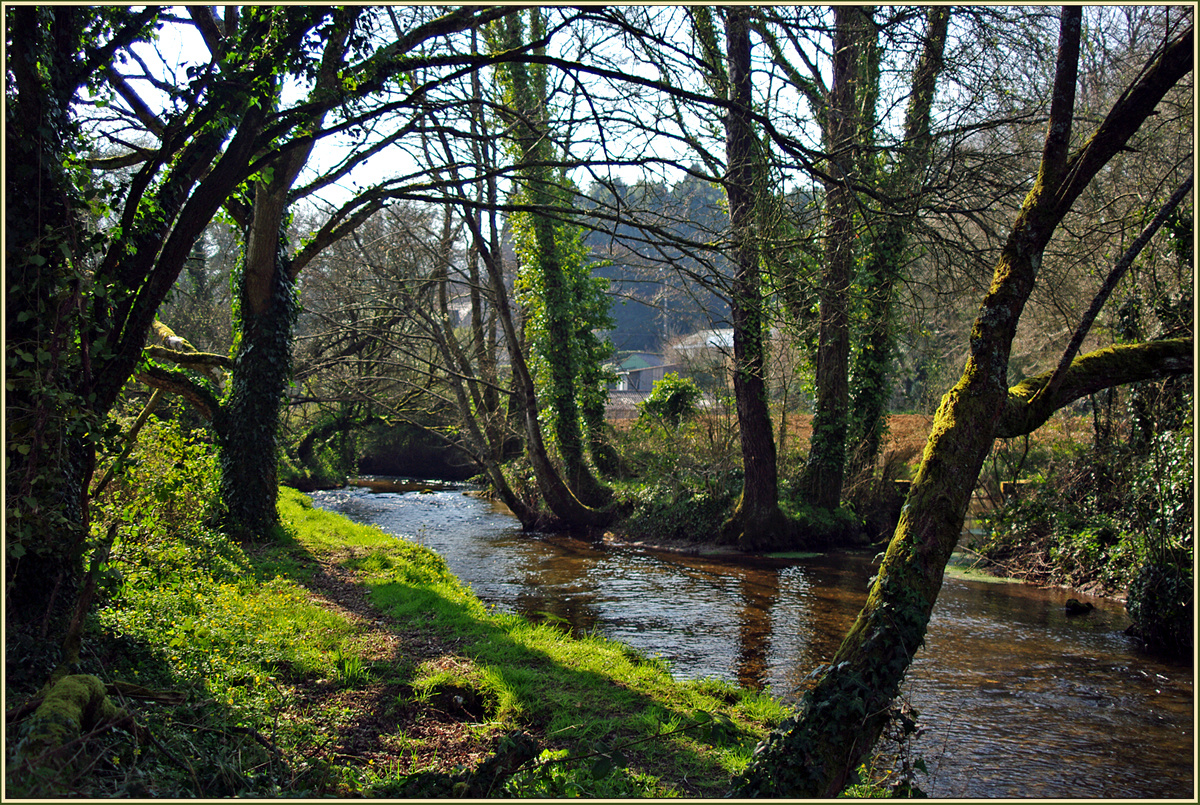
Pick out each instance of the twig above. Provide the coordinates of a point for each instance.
(25, 709)
(256, 735)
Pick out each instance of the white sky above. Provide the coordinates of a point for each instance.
(180, 45)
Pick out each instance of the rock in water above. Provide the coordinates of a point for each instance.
(1073, 607)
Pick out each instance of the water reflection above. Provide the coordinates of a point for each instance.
(1018, 699)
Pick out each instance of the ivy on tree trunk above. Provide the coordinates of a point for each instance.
(247, 423)
(757, 521)
(821, 480)
(547, 247)
(887, 247)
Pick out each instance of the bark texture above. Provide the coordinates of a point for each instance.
(1028, 406)
(825, 470)
(870, 389)
(538, 184)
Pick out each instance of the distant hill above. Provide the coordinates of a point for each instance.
(659, 291)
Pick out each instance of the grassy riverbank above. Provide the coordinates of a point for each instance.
(333, 659)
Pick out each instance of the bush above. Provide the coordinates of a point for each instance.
(1046, 539)
(1160, 505)
(1063, 529)
(323, 470)
(688, 511)
(819, 527)
(1094, 515)
(1160, 605)
(672, 400)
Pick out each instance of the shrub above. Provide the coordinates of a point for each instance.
(1047, 539)
(689, 510)
(1160, 605)
(672, 400)
(1095, 513)
(1160, 504)
(323, 470)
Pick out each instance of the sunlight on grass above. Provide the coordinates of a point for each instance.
(241, 625)
(579, 691)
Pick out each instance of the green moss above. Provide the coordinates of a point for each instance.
(72, 705)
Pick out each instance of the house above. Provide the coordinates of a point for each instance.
(639, 371)
(706, 356)
(636, 374)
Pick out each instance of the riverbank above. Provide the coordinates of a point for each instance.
(335, 660)
(1001, 659)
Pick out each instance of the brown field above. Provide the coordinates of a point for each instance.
(906, 431)
(909, 432)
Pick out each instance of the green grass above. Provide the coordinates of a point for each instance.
(579, 693)
(274, 683)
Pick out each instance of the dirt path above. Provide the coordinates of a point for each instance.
(370, 715)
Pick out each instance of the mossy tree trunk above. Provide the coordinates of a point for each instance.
(814, 752)
(522, 413)
(887, 249)
(46, 454)
(481, 434)
(80, 303)
(266, 308)
(544, 250)
(248, 421)
(558, 496)
(1030, 404)
(824, 471)
(72, 704)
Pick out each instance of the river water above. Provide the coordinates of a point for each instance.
(1018, 699)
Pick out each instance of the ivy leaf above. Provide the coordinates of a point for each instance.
(602, 767)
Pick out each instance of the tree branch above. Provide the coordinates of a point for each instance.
(1026, 409)
(176, 382)
(1062, 101)
(1110, 284)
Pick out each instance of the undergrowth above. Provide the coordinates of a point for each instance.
(1090, 517)
(242, 681)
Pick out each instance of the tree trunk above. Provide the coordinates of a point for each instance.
(538, 181)
(248, 426)
(54, 345)
(841, 717)
(247, 423)
(523, 399)
(481, 429)
(1028, 407)
(558, 496)
(888, 244)
(824, 472)
(757, 521)
(45, 462)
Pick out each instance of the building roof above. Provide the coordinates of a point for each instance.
(639, 360)
(721, 339)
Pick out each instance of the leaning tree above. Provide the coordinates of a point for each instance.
(841, 717)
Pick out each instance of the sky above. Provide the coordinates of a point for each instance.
(179, 45)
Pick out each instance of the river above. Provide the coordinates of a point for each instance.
(1017, 699)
